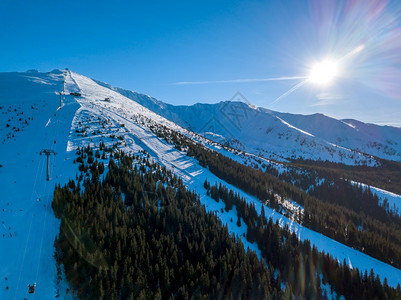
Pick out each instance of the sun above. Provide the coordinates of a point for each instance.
(323, 73)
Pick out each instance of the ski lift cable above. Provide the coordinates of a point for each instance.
(53, 135)
(48, 187)
(47, 204)
(30, 226)
(46, 207)
(42, 164)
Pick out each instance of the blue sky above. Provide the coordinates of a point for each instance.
(149, 47)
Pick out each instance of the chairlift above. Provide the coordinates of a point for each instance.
(31, 288)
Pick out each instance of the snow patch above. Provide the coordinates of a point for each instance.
(293, 127)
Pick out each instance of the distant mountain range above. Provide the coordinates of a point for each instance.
(280, 136)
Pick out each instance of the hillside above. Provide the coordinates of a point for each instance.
(32, 120)
(281, 136)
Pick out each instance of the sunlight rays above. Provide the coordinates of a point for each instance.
(359, 42)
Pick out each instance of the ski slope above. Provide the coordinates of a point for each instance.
(124, 111)
(99, 114)
(28, 226)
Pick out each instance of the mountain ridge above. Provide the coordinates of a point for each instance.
(243, 126)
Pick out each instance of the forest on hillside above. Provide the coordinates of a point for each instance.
(298, 263)
(140, 234)
(133, 231)
(337, 208)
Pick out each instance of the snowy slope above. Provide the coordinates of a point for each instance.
(280, 135)
(389, 200)
(29, 226)
(126, 112)
(381, 141)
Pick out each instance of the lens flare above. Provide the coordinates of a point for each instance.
(367, 37)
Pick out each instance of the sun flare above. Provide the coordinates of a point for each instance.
(324, 72)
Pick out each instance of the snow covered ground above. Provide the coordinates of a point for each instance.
(122, 109)
(28, 226)
(281, 135)
(393, 200)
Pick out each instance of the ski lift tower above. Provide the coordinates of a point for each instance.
(47, 152)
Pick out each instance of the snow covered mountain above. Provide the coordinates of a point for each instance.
(281, 136)
(33, 120)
